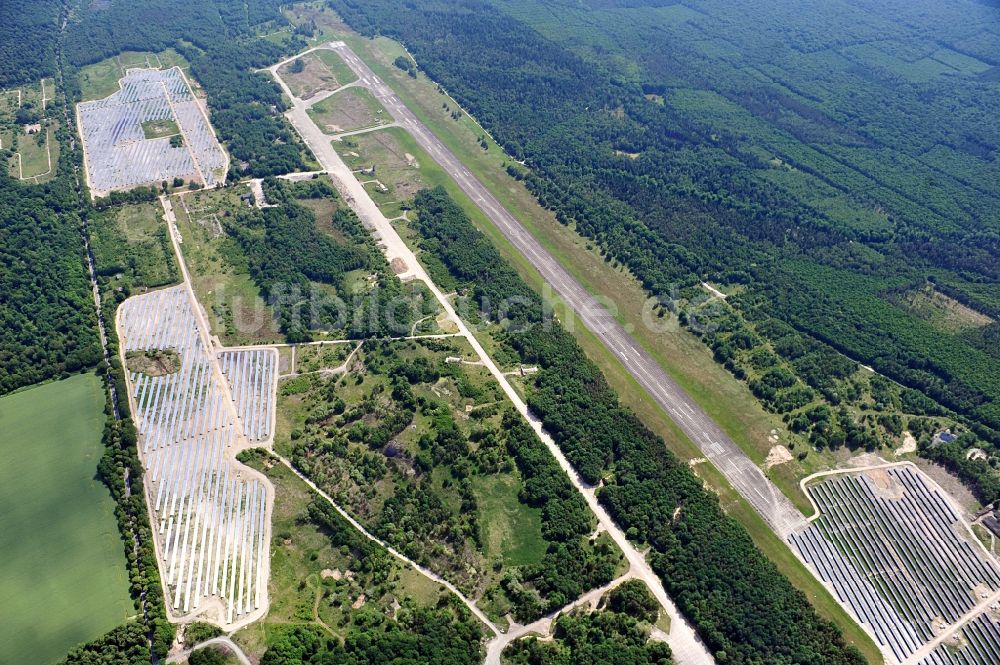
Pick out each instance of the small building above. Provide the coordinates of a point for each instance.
(991, 523)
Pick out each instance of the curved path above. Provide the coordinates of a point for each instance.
(686, 645)
(221, 641)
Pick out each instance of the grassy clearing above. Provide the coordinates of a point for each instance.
(157, 129)
(348, 110)
(100, 79)
(678, 351)
(316, 357)
(401, 167)
(236, 311)
(513, 531)
(33, 160)
(132, 247)
(340, 69)
(315, 72)
(64, 579)
(943, 312)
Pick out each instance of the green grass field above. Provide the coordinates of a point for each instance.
(348, 110)
(339, 68)
(513, 530)
(64, 578)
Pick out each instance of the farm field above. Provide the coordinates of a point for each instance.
(58, 538)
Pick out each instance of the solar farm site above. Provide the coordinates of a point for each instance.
(153, 129)
(899, 556)
(210, 515)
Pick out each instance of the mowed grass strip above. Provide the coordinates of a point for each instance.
(62, 564)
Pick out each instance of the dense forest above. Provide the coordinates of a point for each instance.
(28, 35)
(47, 325)
(825, 171)
(740, 604)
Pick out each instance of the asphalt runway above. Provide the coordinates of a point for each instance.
(776, 509)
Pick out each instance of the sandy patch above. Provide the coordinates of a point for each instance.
(358, 603)
(777, 455)
(909, 445)
(398, 266)
(885, 485)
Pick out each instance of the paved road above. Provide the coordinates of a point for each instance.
(741, 472)
(687, 648)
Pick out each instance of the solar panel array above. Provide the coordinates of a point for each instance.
(980, 645)
(210, 512)
(897, 560)
(118, 154)
(252, 375)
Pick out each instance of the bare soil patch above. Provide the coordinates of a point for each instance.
(777, 455)
(159, 362)
(909, 445)
(885, 485)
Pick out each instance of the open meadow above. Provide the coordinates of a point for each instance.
(59, 543)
